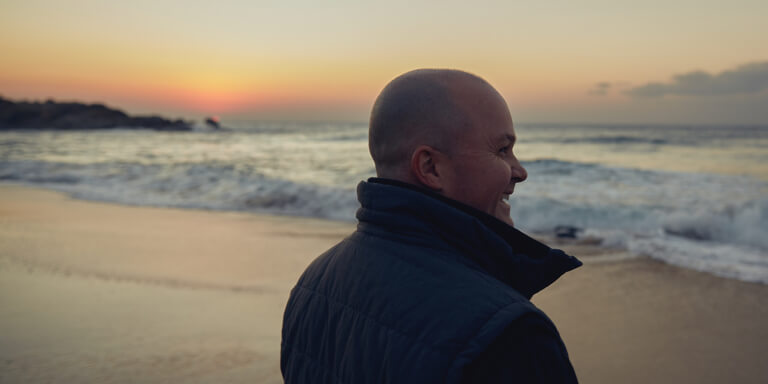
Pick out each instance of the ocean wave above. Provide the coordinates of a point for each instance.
(618, 140)
(743, 223)
(216, 186)
(708, 222)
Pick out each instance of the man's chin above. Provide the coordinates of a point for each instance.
(503, 214)
(505, 218)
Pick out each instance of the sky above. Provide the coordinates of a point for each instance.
(589, 61)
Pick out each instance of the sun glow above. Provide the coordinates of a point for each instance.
(241, 56)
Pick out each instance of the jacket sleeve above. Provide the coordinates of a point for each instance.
(528, 351)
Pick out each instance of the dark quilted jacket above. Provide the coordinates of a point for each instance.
(418, 293)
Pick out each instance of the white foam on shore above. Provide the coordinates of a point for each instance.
(714, 223)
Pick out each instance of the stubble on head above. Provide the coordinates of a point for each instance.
(420, 107)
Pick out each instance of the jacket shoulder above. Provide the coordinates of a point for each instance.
(418, 301)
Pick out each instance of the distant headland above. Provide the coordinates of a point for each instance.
(74, 115)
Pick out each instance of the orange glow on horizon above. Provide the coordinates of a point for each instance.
(255, 58)
(188, 99)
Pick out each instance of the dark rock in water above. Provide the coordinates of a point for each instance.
(567, 232)
(689, 233)
(55, 115)
(213, 122)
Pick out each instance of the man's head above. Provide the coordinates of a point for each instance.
(449, 131)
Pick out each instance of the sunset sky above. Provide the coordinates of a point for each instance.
(618, 61)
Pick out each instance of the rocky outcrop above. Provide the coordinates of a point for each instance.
(72, 115)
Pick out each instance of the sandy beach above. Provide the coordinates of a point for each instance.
(105, 293)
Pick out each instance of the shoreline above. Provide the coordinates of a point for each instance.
(108, 293)
(590, 246)
(597, 252)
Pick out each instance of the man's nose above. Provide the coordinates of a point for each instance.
(519, 174)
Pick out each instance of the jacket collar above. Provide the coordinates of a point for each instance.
(500, 250)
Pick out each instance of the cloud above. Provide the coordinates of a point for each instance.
(746, 79)
(600, 89)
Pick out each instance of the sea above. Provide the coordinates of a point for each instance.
(692, 196)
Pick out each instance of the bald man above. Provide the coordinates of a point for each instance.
(435, 284)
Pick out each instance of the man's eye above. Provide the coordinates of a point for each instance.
(505, 149)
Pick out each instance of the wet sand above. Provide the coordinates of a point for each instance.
(104, 293)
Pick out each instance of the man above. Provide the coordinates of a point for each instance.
(434, 286)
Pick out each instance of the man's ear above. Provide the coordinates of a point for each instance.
(424, 167)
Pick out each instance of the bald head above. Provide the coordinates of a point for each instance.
(421, 107)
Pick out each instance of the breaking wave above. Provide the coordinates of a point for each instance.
(705, 221)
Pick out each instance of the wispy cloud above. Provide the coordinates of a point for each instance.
(600, 89)
(744, 79)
